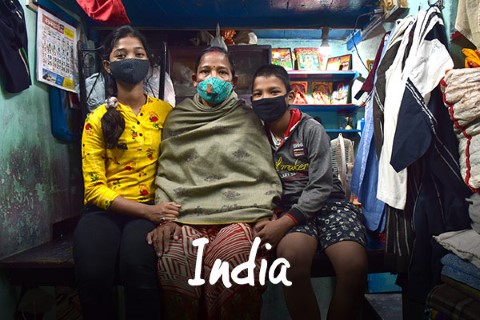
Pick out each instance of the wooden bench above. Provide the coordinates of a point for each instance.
(51, 264)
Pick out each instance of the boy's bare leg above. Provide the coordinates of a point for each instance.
(349, 260)
(299, 250)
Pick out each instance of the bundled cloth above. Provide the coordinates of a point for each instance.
(459, 295)
(474, 211)
(461, 94)
(461, 270)
(464, 243)
(447, 302)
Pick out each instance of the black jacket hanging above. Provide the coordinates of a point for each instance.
(13, 47)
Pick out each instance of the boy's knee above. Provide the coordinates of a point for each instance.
(354, 269)
(300, 266)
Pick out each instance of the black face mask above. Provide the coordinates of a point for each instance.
(129, 70)
(270, 109)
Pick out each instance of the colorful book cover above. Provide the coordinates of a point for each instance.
(309, 59)
(339, 63)
(333, 64)
(300, 90)
(340, 92)
(321, 92)
(346, 62)
(282, 57)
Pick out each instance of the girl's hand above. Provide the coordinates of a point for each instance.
(161, 236)
(164, 211)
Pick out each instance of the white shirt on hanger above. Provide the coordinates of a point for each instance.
(392, 185)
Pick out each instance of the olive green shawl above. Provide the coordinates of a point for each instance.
(216, 162)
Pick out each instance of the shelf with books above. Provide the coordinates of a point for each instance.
(322, 87)
(326, 96)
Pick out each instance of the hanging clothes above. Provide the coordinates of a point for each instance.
(427, 63)
(365, 168)
(365, 172)
(367, 85)
(365, 176)
(392, 185)
(399, 232)
(418, 171)
(435, 185)
(14, 47)
(379, 86)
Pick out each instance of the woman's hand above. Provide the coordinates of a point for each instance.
(272, 231)
(161, 236)
(163, 211)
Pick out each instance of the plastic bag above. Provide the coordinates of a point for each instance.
(218, 40)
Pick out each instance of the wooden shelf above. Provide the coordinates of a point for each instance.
(323, 75)
(343, 130)
(340, 108)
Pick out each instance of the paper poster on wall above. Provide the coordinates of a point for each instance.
(56, 51)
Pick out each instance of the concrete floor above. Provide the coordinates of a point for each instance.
(274, 307)
(388, 306)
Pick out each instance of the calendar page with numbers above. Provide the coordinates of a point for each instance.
(56, 51)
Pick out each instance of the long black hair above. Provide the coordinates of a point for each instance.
(113, 123)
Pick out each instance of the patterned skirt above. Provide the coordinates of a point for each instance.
(228, 243)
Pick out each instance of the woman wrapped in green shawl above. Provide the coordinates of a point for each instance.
(215, 162)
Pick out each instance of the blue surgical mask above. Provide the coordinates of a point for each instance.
(214, 90)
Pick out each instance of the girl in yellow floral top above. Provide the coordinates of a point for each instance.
(120, 148)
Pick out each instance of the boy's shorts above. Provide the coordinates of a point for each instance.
(338, 220)
(309, 228)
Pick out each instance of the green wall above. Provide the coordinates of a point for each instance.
(40, 181)
(39, 175)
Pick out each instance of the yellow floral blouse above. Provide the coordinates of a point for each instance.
(130, 173)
